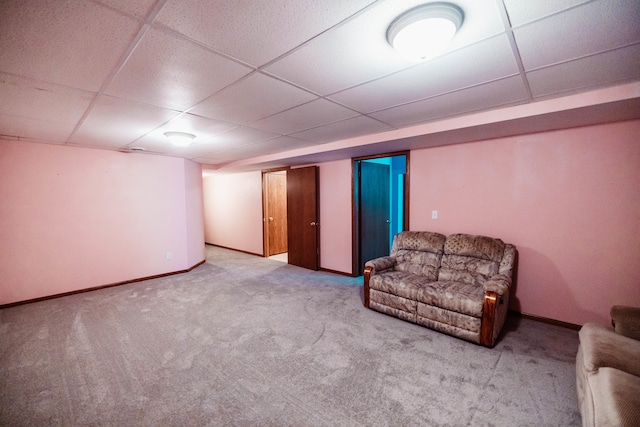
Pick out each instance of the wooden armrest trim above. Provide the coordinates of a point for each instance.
(367, 276)
(488, 318)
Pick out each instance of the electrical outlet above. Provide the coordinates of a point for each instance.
(434, 214)
(169, 255)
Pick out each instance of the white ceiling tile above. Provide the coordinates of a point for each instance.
(68, 42)
(522, 11)
(344, 129)
(358, 51)
(598, 70)
(485, 61)
(205, 144)
(268, 28)
(207, 135)
(34, 129)
(251, 99)
(24, 97)
(170, 72)
(138, 8)
(115, 123)
(592, 28)
(283, 143)
(271, 146)
(313, 114)
(57, 55)
(507, 91)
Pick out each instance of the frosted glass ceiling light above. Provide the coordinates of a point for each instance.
(181, 139)
(424, 32)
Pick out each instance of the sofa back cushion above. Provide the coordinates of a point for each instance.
(418, 252)
(470, 259)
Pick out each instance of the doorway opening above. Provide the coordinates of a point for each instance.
(380, 205)
(290, 204)
(274, 206)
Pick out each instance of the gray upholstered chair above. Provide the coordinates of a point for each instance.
(608, 370)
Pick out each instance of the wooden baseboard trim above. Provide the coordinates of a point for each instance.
(546, 320)
(234, 249)
(95, 288)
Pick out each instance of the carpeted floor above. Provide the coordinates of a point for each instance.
(243, 340)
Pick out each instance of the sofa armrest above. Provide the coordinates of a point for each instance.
(602, 347)
(499, 284)
(381, 264)
(626, 321)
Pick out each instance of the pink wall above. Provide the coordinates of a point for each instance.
(194, 207)
(233, 211)
(74, 218)
(569, 200)
(335, 216)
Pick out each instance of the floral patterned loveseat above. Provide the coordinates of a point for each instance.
(457, 284)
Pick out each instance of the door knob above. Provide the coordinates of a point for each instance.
(270, 218)
(313, 224)
(388, 221)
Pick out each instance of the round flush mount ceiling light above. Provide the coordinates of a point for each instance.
(424, 32)
(181, 139)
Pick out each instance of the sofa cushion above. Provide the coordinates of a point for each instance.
(616, 398)
(604, 348)
(460, 297)
(418, 262)
(474, 246)
(429, 313)
(424, 241)
(389, 300)
(626, 321)
(398, 283)
(466, 269)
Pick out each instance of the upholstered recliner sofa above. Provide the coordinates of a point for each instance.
(457, 284)
(608, 370)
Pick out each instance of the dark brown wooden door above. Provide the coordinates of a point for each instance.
(374, 211)
(276, 212)
(302, 217)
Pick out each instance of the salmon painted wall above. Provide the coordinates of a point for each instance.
(75, 218)
(335, 216)
(569, 200)
(194, 208)
(233, 211)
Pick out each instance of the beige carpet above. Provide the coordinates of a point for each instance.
(243, 340)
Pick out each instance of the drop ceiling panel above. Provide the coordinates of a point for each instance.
(357, 126)
(357, 51)
(205, 130)
(114, 123)
(592, 28)
(35, 99)
(485, 61)
(205, 145)
(252, 98)
(598, 70)
(72, 43)
(170, 72)
(272, 146)
(244, 73)
(522, 11)
(34, 129)
(313, 114)
(255, 31)
(502, 92)
(138, 8)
